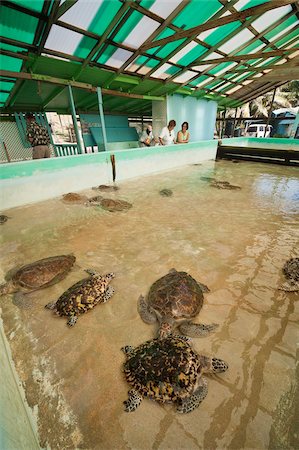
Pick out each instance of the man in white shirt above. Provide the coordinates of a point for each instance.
(147, 138)
(167, 135)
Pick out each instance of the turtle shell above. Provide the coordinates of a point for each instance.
(115, 205)
(163, 369)
(43, 273)
(82, 296)
(291, 269)
(176, 295)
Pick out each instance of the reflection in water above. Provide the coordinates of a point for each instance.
(235, 242)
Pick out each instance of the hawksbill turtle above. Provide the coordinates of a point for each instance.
(3, 219)
(291, 273)
(168, 370)
(173, 300)
(166, 192)
(83, 296)
(37, 275)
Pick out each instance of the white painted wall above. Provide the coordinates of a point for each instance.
(33, 181)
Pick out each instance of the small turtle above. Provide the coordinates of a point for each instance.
(166, 192)
(37, 275)
(115, 205)
(74, 198)
(172, 300)
(291, 273)
(3, 219)
(168, 370)
(224, 185)
(104, 187)
(83, 296)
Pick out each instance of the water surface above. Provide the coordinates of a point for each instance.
(234, 241)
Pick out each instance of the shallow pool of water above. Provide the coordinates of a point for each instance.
(235, 241)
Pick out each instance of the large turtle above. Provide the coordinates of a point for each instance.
(173, 300)
(168, 370)
(37, 275)
(83, 296)
(3, 219)
(291, 273)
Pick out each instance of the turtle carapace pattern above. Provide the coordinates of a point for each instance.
(83, 296)
(168, 370)
(291, 273)
(37, 275)
(173, 300)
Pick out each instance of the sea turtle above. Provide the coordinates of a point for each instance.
(83, 296)
(224, 185)
(172, 300)
(3, 219)
(37, 275)
(168, 370)
(166, 192)
(291, 273)
(105, 187)
(115, 205)
(74, 198)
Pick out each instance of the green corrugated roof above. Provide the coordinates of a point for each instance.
(104, 35)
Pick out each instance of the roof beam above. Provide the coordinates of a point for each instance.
(50, 21)
(108, 30)
(238, 16)
(175, 51)
(65, 7)
(76, 84)
(23, 10)
(236, 58)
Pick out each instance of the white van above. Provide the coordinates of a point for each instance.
(258, 130)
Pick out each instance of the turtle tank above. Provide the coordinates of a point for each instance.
(232, 227)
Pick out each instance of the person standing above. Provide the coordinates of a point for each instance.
(167, 136)
(147, 138)
(38, 137)
(183, 135)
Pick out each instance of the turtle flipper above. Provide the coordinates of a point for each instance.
(127, 349)
(134, 400)
(108, 294)
(92, 272)
(197, 329)
(189, 404)
(72, 320)
(289, 286)
(51, 305)
(146, 315)
(22, 301)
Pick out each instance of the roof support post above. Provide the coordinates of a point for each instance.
(269, 113)
(100, 98)
(74, 116)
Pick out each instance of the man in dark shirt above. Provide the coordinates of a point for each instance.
(38, 137)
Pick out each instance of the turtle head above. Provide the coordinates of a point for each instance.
(165, 329)
(213, 365)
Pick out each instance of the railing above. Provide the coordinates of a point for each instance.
(66, 149)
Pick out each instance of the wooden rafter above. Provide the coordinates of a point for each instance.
(237, 50)
(223, 10)
(66, 5)
(163, 25)
(239, 16)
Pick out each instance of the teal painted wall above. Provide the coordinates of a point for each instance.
(200, 114)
